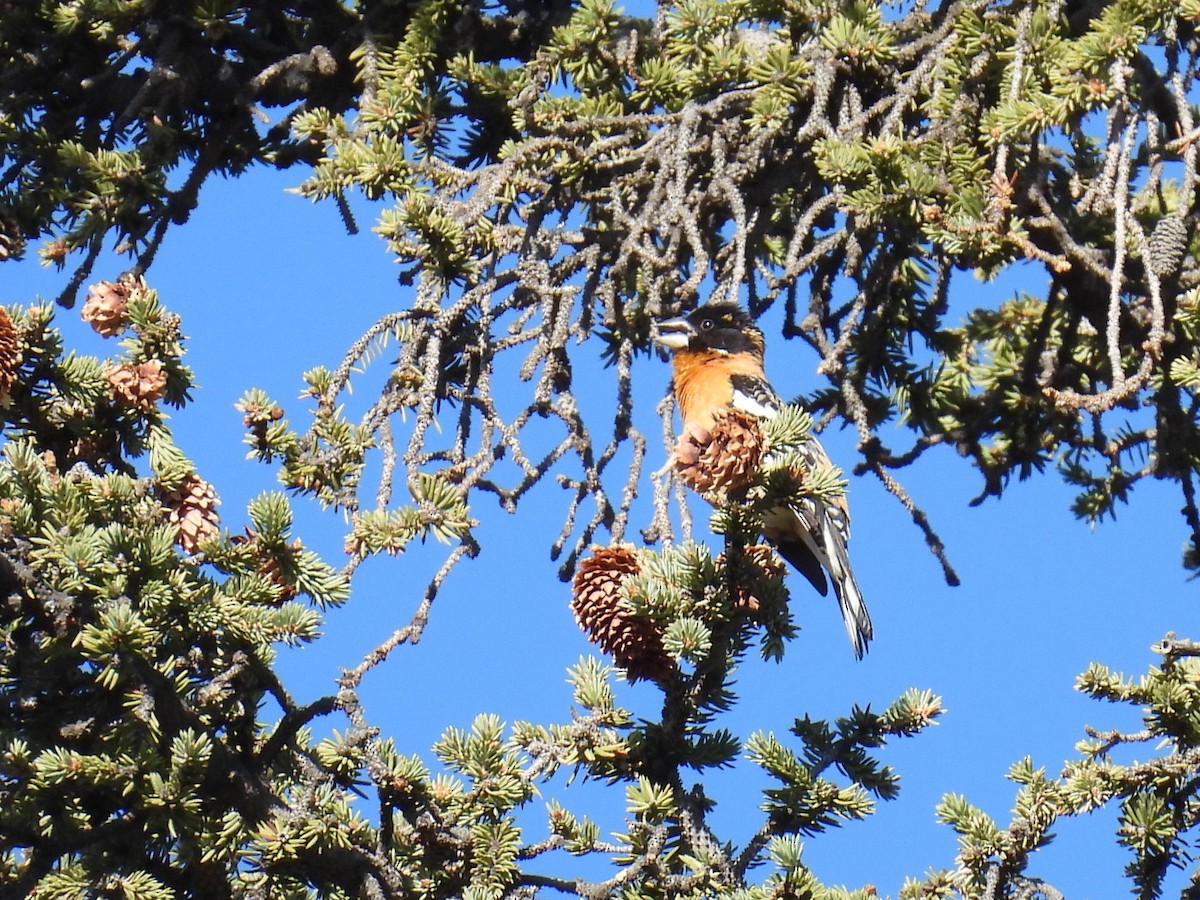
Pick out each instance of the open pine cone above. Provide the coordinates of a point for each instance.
(606, 618)
(193, 505)
(141, 385)
(10, 353)
(107, 302)
(725, 458)
(758, 562)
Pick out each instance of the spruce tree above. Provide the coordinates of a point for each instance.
(554, 176)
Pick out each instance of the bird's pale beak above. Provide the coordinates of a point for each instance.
(674, 334)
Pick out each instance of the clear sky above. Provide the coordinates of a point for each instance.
(269, 285)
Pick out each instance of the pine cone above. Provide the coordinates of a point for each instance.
(268, 562)
(12, 243)
(758, 563)
(606, 618)
(10, 353)
(270, 568)
(716, 461)
(1168, 243)
(193, 505)
(107, 303)
(141, 385)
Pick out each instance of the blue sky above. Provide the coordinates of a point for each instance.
(270, 285)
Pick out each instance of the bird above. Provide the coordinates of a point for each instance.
(717, 360)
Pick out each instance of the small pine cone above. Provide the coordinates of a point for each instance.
(193, 505)
(107, 303)
(10, 353)
(270, 569)
(716, 461)
(759, 563)
(12, 243)
(605, 617)
(141, 385)
(1168, 243)
(267, 562)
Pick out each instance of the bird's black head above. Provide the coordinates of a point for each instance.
(718, 327)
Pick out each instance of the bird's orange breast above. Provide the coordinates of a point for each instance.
(702, 383)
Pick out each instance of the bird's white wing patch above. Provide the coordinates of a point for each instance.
(755, 396)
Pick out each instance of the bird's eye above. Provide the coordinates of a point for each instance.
(707, 324)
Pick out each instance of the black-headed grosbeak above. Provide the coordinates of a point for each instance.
(718, 363)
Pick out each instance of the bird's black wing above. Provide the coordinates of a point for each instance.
(754, 395)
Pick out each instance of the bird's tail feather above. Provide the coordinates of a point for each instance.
(850, 599)
(812, 540)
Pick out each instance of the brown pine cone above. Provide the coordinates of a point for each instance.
(10, 353)
(12, 242)
(270, 567)
(193, 505)
(268, 561)
(725, 458)
(758, 563)
(141, 385)
(107, 304)
(606, 618)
